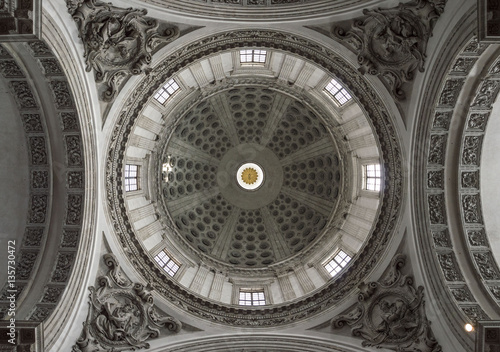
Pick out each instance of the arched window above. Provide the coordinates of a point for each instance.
(252, 297)
(339, 261)
(338, 92)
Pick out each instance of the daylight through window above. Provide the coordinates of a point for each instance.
(338, 92)
(337, 263)
(166, 91)
(131, 178)
(253, 56)
(252, 297)
(167, 263)
(372, 177)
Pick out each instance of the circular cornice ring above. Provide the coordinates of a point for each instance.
(391, 198)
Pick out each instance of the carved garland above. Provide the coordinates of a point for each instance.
(376, 244)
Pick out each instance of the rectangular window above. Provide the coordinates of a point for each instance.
(338, 92)
(166, 91)
(335, 265)
(252, 297)
(167, 263)
(131, 178)
(372, 178)
(253, 56)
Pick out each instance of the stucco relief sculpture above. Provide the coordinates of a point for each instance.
(392, 42)
(390, 314)
(117, 42)
(121, 315)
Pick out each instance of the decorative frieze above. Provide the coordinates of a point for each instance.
(10, 69)
(471, 150)
(450, 267)
(63, 267)
(74, 210)
(441, 238)
(435, 179)
(462, 294)
(22, 92)
(450, 92)
(390, 314)
(437, 149)
(495, 290)
(70, 238)
(442, 120)
(69, 121)
(477, 121)
(477, 238)
(40, 313)
(52, 294)
(33, 236)
(62, 95)
(471, 205)
(112, 54)
(486, 95)
(463, 65)
(38, 152)
(437, 210)
(470, 179)
(38, 208)
(39, 179)
(32, 123)
(475, 313)
(487, 266)
(121, 316)
(73, 150)
(474, 47)
(25, 264)
(75, 179)
(39, 49)
(50, 67)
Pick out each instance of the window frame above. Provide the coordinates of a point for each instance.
(127, 178)
(166, 266)
(257, 295)
(339, 264)
(165, 92)
(338, 93)
(367, 177)
(261, 53)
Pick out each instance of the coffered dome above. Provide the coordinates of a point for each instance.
(297, 170)
(198, 232)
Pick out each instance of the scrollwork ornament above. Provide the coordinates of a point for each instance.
(117, 42)
(390, 314)
(121, 317)
(391, 43)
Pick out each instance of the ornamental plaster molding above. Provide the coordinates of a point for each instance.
(390, 313)
(122, 315)
(44, 175)
(392, 43)
(468, 175)
(391, 198)
(117, 42)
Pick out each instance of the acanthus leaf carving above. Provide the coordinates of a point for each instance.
(391, 43)
(121, 316)
(390, 314)
(117, 42)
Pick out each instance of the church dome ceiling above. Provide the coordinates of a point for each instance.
(244, 227)
(311, 152)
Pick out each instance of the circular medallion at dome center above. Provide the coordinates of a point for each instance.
(249, 177)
